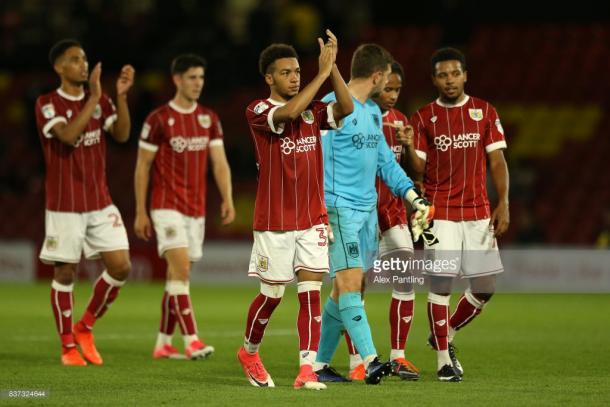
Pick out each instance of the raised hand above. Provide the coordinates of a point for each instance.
(95, 86)
(326, 60)
(125, 81)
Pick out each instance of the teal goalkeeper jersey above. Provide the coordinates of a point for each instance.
(354, 155)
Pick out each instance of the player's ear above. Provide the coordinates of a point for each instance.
(465, 76)
(177, 80)
(269, 79)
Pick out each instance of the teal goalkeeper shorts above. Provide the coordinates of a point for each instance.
(356, 239)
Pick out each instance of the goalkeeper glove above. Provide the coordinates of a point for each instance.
(422, 218)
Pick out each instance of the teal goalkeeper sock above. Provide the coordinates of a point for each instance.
(356, 323)
(330, 332)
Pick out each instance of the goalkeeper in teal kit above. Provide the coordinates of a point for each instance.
(353, 157)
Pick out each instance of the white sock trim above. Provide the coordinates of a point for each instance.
(439, 299)
(410, 296)
(305, 286)
(472, 299)
(397, 354)
(62, 287)
(111, 280)
(272, 291)
(177, 287)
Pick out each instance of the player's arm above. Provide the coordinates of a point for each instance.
(142, 225)
(69, 133)
(344, 105)
(121, 128)
(500, 218)
(293, 109)
(222, 176)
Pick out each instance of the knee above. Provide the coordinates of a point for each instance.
(121, 270)
(483, 297)
(64, 273)
(180, 272)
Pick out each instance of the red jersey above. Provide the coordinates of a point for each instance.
(75, 175)
(290, 193)
(180, 138)
(455, 140)
(391, 210)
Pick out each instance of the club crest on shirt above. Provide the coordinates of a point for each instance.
(352, 249)
(205, 120)
(376, 120)
(476, 114)
(262, 263)
(97, 113)
(48, 111)
(51, 243)
(307, 116)
(260, 107)
(170, 232)
(433, 119)
(499, 126)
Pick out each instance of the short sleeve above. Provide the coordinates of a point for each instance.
(48, 115)
(323, 112)
(494, 133)
(151, 135)
(109, 115)
(216, 133)
(420, 140)
(260, 117)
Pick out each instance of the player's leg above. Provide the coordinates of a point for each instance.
(396, 244)
(357, 371)
(449, 248)
(164, 347)
(471, 303)
(311, 265)
(62, 249)
(272, 261)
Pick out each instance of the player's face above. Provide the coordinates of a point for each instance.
(285, 78)
(389, 94)
(380, 79)
(449, 78)
(190, 83)
(73, 66)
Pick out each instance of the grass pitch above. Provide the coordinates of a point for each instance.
(522, 350)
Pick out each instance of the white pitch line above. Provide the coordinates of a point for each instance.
(133, 337)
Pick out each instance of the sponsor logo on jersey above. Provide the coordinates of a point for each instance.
(476, 114)
(97, 112)
(89, 138)
(307, 116)
(48, 111)
(204, 120)
(462, 140)
(260, 107)
(145, 131)
(179, 144)
(397, 150)
(352, 249)
(300, 145)
(499, 126)
(360, 141)
(262, 264)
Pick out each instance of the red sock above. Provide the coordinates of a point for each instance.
(258, 318)
(105, 291)
(467, 309)
(184, 314)
(309, 320)
(401, 316)
(62, 301)
(351, 348)
(168, 315)
(438, 316)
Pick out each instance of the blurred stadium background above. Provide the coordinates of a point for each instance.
(545, 69)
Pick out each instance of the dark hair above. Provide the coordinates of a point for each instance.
(368, 59)
(397, 69)
(272, 53)
(184, 62)
(447, 54)
(60, 47)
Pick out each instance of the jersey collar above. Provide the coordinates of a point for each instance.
(276, 102)
(462, 103)
(70, 97)
(181, 110)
